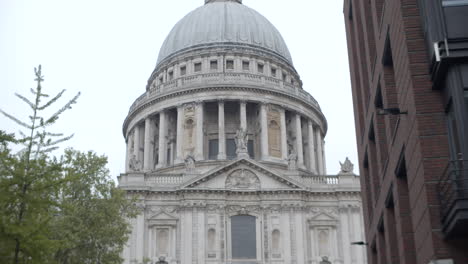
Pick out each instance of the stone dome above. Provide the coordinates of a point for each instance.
(224, 23)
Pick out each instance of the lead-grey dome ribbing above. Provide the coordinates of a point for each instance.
(224, 22)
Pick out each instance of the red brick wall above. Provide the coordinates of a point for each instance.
(420, 136)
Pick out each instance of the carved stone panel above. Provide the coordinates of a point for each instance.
(242, 179)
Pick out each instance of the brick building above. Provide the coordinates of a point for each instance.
(409, 72)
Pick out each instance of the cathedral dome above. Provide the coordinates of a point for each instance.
(221, 23)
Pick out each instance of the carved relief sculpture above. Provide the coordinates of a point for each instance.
(242, 179)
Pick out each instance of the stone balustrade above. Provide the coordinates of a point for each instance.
(226, 79)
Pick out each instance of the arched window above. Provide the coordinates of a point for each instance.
(243, 237)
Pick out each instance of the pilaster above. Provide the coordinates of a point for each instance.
(243, 115)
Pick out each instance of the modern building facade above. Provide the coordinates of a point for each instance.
(225, 153)
(409, 73)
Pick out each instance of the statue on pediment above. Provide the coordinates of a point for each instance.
(325, 260)
(347, 166)
(162, 260)
(241, 140)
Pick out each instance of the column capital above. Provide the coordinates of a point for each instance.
(199, 102)
(221, 101)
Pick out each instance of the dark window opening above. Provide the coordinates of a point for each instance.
(250, 148)
(197, 66)
(260, 68)
(273, 72)
(183, 70)
(231, 149)
(245, 65)
(214, 65)
(213, 149)
(171, 75)
(230, 64)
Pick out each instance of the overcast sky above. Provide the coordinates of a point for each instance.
(107, 49)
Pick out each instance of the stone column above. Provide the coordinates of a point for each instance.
(284, 136)
(199, 132)
(162, 139)
(148, 151)
(318, 137)
(324, 161)
(264, 131)
(136, 142)
(129, 149)
(299, 146)
(180, 135)
(310, 134)
(221, 132)
(243, 115)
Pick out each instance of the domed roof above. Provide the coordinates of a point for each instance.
(224, 22)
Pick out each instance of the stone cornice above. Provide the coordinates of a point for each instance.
(140, 106)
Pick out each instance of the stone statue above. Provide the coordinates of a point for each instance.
(292, 160)
(241, 140)
(347, 166)
(135, 164)
(325, 260)
(162, 260)
(189, 163)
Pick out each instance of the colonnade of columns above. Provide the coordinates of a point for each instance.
(156, 135)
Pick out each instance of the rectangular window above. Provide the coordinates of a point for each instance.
(230, 64)
(213, 149)
(171, 75)
(214, 65)
(231, 149)
(183, 70)
(161, 80)
(284, 76)
(245, 65)
(260, 68)
(197, 67)
(273, 72)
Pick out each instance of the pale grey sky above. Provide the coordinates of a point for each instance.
(107, 49)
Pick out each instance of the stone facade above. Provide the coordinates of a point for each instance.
(225, 141)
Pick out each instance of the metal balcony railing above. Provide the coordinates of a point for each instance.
(453, 186)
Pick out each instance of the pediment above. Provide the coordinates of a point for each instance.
(163, 216)
(243, 175)
(322, 217)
